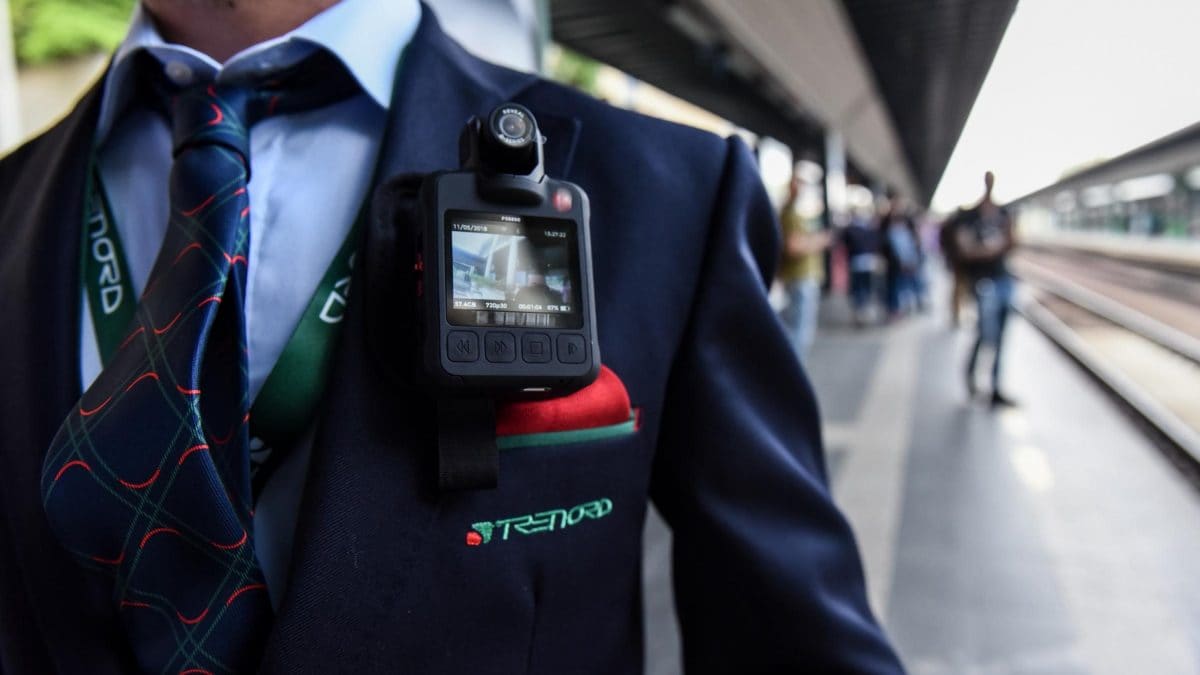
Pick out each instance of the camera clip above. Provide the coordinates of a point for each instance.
(468, 458)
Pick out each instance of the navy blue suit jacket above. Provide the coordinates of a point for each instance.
(684, 242)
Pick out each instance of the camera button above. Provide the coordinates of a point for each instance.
(500, 347)
(535, 348)
(572, 349)
(462, 346)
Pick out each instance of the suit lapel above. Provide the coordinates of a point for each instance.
(369, 499)
(41, 215)
(42, 230)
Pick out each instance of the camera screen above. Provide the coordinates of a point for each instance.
(512, 271)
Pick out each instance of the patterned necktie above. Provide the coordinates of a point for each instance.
(148, 479)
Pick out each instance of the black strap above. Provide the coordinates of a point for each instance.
(467, 455)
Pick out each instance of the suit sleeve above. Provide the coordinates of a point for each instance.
(767, 574)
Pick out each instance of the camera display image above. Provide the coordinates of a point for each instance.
(503, 270)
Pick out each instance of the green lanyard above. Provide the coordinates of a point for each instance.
(289, 397)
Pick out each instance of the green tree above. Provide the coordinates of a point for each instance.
(576, 70)
(45, 30)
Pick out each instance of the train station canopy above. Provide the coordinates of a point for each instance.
(896, 78)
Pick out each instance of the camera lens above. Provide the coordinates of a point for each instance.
(512, 125)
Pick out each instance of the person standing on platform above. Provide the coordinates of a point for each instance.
(902, 258)
(802, 270)
(983, 239)
(958, 280)
(861, 239)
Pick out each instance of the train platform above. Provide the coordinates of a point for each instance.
(1051, 537)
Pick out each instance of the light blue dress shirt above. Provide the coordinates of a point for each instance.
(310, 173)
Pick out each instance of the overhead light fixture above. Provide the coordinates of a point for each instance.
(693, 27)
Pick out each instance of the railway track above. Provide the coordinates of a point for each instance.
(1138, 339)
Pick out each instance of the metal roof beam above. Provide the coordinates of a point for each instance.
(811, 50)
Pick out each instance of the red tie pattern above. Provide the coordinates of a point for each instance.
(148, 479)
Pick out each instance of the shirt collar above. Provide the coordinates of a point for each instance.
(368, 36)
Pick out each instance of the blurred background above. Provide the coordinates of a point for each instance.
(1042, 517)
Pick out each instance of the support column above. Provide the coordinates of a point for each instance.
(835, 180)
(836, 213)
(10, 114)
(542, 12)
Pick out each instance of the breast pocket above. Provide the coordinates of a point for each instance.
(580, 474)
(571, 437)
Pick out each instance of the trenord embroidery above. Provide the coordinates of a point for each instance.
(533, 523)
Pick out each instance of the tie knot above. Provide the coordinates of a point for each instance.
(213, 115)
(223, 113)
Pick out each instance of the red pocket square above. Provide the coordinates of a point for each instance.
(602, 403)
